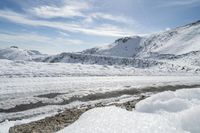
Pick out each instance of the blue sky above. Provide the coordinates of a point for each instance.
(54, 26)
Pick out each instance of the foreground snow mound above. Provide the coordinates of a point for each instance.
(181, 107)
(167, 112)
(117, 120)
(169, 101)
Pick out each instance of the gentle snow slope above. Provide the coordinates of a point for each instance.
(167, 112)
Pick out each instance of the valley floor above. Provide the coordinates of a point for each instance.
(23, 99)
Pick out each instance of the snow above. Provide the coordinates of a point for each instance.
(170, 101)
(166, 112)
(181, 107)
(116, 120)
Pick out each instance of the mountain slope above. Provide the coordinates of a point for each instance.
(182, 40)
(177, 41)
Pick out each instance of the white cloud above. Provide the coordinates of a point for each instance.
(64, 34)
(99, 30)
(180, 2)
(106, 16)
(77, 8)
(70, 9)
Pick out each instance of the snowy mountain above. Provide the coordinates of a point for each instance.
(15, 53)
(177, 41)
(173, 50)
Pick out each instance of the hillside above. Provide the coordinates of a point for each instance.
(15, 53)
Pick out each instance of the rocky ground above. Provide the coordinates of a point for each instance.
(63, 119)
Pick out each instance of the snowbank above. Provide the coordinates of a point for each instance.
(167, 112)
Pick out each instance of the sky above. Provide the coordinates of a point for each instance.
(54, 26)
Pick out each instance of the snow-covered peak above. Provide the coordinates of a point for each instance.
(15, 53)
(122, 47)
